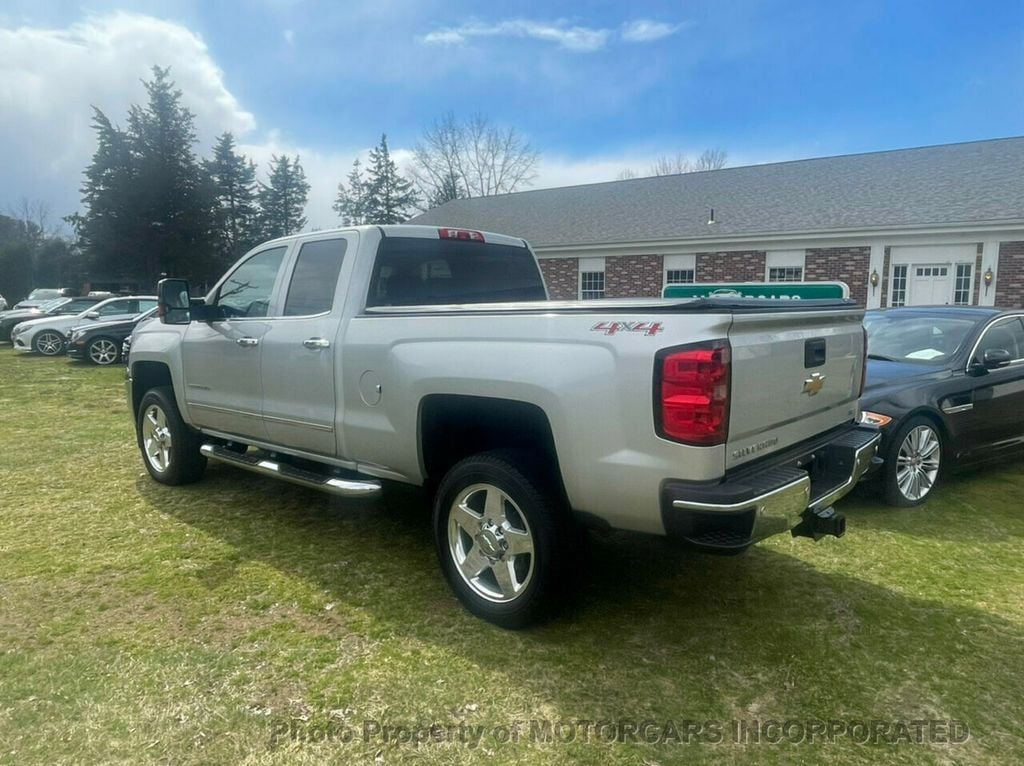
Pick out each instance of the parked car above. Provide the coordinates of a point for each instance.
(41, 295)
(431, 356)
(101, 342)
(946, 385)
(54, 307)
(48, 335)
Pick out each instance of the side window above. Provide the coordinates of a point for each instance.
(246, 292)
(315, 278)
(1007, 335)
(114, 307)
(146, 305)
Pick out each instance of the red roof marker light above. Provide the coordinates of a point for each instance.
(465, 234)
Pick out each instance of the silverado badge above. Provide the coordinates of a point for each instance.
(813, 384)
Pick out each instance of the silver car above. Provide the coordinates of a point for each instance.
(48, 335)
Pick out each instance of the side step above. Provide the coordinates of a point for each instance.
(262, 463)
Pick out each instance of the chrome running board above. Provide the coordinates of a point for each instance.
(266, 465)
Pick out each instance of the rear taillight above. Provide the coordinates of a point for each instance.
(692, 393)
(863, 363)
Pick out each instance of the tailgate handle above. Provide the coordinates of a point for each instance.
(814, 352)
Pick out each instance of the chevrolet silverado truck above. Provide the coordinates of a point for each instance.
(344, 359)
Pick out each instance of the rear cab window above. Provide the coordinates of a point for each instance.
(414, 271)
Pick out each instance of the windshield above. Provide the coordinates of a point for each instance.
(915, 338)
(55, 303)
(43, 294)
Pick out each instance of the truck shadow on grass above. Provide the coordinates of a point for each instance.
(657, 631)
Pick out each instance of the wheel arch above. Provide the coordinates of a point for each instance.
(145, 376)
(454, 426)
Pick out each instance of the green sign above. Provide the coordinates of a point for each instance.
(767, 290)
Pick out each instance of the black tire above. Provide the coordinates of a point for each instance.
(99, 349)
(901, 456)
(48, 343)
(182, 461)
(530, 501)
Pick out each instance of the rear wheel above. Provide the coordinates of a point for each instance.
(170, 449)
(48, 343)
(504, 538)
(103, 351)
(913, 462)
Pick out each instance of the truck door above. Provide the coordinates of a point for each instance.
(300, 365)
(221, 359)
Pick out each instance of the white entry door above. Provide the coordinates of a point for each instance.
(930, 285)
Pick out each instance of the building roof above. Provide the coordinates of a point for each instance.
(968, 183)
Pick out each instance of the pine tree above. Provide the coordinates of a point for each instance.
(350, 204)
(148, 201)
(283, 200)
(233, 177)
(448, 188)
(389, 196)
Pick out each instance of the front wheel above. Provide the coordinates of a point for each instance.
(49, 343)
(504, 538)
(103, 351)
(913, 462)
(170, 449)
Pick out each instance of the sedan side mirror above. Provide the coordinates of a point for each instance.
(93, 315)
(172, 301)
(994, 358)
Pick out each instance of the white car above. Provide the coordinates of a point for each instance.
(48, 335)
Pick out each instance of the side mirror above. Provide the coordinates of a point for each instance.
(172, 301)
(93, 315)
(994, 358)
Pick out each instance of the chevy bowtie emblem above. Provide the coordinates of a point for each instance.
(813, 384)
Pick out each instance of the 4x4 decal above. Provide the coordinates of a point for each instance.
(611, 328)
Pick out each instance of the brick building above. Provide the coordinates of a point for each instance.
(935, 225)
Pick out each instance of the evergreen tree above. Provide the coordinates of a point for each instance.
(233, 178)
(448, 188)
(148, 201)
(388, 195)
(350, 204)
(283, 200)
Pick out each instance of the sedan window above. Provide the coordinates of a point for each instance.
(1005, 335)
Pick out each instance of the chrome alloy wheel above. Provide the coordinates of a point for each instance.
(49, 343)
(491, 543)
(917, 463)
(103, 351)
(156, 438)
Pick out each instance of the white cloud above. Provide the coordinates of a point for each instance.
(574, 38)
(645, 30)
(50, 78)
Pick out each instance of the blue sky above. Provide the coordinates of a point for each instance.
(595, 87)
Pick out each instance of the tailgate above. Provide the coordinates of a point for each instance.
(795, 374)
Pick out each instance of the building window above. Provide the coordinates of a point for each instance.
(591, 278)
(680, 269)
(899, 286)
(962, 287)
(785, 274)
(784, 265)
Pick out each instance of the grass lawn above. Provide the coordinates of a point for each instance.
(242, 620)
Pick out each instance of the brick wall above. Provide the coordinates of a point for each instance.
(562, 277)
(1009, 284)
(633, 276)
(842, 264)
(733, 266)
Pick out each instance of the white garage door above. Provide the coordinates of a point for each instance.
(928, 275)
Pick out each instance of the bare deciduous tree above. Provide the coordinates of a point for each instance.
(709, 159)
(474, 158)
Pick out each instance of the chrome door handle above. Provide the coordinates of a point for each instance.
(248, 342)
(316, 343)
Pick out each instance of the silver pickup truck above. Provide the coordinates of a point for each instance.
(341, 359)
